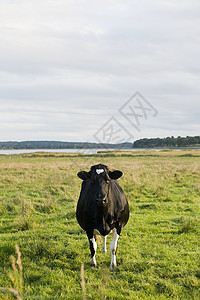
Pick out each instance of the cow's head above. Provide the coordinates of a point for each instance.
(99, 176)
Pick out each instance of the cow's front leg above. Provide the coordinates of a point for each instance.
(113, 249)
(104, 249)
(93, 248)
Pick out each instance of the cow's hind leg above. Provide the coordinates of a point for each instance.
(113, 249)
(93, 248)
(104, 249)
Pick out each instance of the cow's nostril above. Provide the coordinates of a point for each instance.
(101, 201)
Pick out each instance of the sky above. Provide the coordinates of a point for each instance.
(99, 71)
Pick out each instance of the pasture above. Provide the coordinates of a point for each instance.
(158, 254)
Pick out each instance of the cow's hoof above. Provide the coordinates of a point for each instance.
(104, 251)
(112, 267)
(92, 265)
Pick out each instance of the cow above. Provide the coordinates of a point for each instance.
(102, 207)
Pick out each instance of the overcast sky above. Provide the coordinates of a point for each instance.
(68, 67)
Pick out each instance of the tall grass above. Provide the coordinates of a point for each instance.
(16, 277)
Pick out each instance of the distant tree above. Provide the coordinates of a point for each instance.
(167, 142)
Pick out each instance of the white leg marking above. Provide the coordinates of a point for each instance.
(93, 260)
(104, 249)
(113, 249)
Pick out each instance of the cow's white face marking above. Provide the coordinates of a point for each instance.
(99, 171)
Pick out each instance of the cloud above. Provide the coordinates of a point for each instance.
(86, 59)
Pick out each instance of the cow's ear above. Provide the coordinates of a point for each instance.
(115, 174)
(83, 175)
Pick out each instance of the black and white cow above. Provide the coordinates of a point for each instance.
(102, 207)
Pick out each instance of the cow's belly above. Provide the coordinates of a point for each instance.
(102, 230)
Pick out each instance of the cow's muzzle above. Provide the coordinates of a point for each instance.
(101, 201)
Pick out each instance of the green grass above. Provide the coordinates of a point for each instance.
(158, 252)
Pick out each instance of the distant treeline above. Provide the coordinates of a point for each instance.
(142, 143)
(168, 142)
(60, 145)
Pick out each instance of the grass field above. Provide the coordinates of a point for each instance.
(158, 251)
